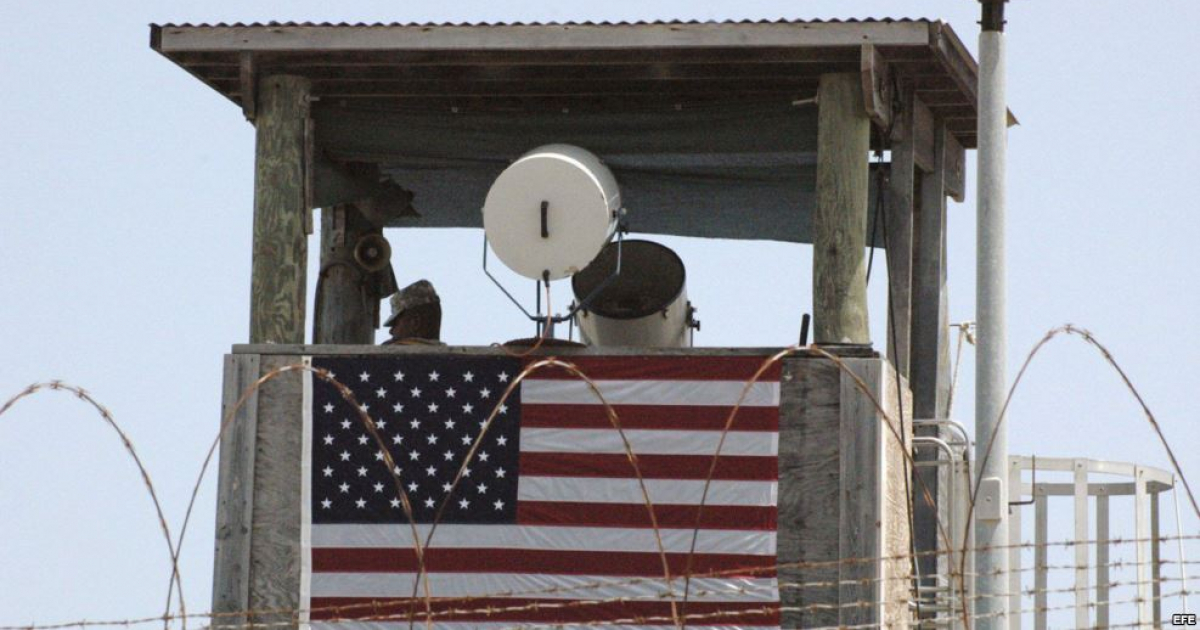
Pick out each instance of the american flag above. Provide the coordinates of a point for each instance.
(548, 525)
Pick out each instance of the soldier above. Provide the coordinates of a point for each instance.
(416, 315)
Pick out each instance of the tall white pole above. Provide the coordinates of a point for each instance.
(991, 524)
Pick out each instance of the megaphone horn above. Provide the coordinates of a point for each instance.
(372, 252)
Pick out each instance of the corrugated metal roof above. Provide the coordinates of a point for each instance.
(539, 23)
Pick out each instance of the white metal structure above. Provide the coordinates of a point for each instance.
(549, 213)
(1145, 485)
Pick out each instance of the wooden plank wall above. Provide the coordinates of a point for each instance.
(235, 491)
(841, 494)
(275, 549)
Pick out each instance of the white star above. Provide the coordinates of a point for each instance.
(328, 440)
(503, 409)
(485, 392)
(345, 487)
(345, 456)
(328, 407)
(414, 456)
(365, 407)
(433, 407)
(483, 456)
(482, 488)
(399, 376)
(416, 392)
(326, 504)
(499, 504)
(433, 376)
(362, 439)
(360, 504)
(328, 471)
(431, 471)
(502, 440)
(397, 407)
(381, 424)
(432, 439)
(416, 424)
(500, 473)
(429, 502)
(464, 504)
(449, 423)
(446, 487)
(362, 471)
(397, 439)
(345, 424)
(395, 503)
(380, 393)
(466, 439)
(503, 377)
(412, 487)
(466, 472)
(378, 487)
(450, 393)
(364, 377)
(379, 456)
(448, 455)
(396, 470)
(468, 408)
(468, 377)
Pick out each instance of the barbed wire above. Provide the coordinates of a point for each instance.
(176, 579)
(678, 615)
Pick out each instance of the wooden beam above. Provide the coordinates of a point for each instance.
(929, 285)
(247, 84)
(840, 219)
(899, 230)
(539, 36)
(277, 300)
(956, 169)
(877, 86)
(922, 133)
(346, 307)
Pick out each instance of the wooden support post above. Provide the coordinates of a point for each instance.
(929, 335)
(277, 285)
(928, 356)
(346, 309)
(840, 219)
(899, 226)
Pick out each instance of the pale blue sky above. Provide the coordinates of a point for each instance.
(126, 258)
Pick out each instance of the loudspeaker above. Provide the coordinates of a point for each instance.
(372, 252)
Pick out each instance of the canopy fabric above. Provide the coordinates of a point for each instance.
(742, 172)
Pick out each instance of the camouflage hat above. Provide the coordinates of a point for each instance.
(419, 293)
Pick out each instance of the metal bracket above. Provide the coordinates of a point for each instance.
(988, 504)
(575, 307)
(1032, 484)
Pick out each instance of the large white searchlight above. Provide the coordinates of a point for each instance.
(555, 212)
(550, 213)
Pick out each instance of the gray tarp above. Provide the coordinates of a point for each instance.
(745, 172)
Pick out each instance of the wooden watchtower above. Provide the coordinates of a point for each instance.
(329, 103)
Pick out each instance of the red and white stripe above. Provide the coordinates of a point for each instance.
(583, 550)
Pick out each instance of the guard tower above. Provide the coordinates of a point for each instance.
(742, 130)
